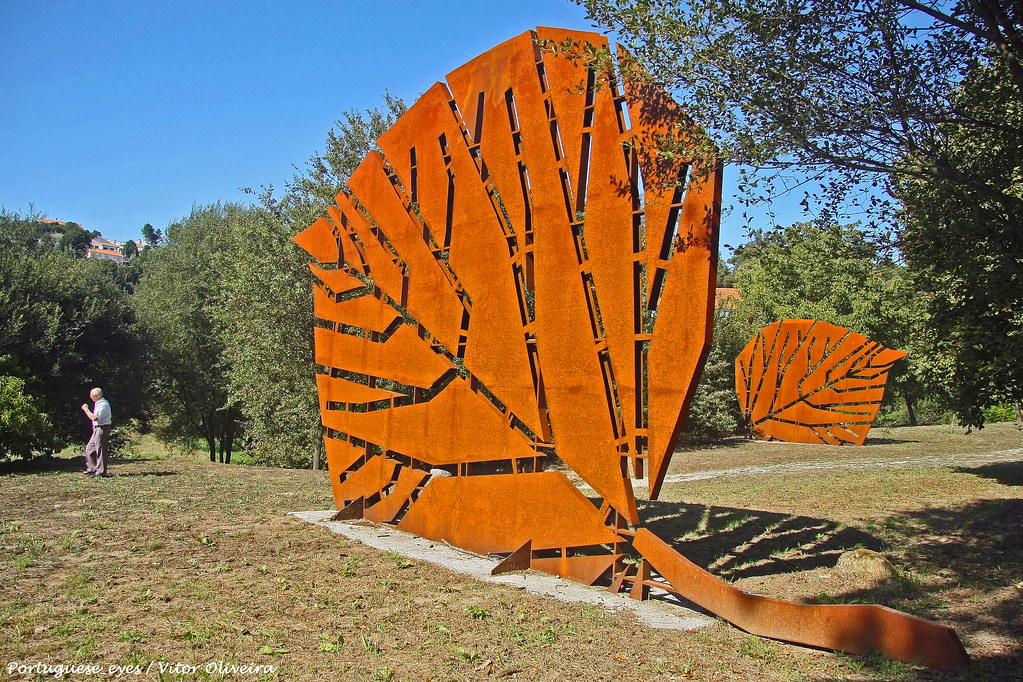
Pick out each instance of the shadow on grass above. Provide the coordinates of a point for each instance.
(1006, 473)
(958, 566)
(139, 474)
(49, 464)
(44, 464)
(741, 543)
(883, 440)
(963, 569)
(711, 444)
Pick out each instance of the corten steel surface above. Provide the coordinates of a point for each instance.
(807, 381)
(521, 272)
(855, 628)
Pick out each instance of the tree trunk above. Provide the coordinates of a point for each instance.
(229, 445)
(909, 408)
(212, 443)
(1019, 411)
(318, 449)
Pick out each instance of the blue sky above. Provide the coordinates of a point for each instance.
(123, 113)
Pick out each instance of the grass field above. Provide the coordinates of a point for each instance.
(179, 562)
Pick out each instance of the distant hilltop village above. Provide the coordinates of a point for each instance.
(100, 247)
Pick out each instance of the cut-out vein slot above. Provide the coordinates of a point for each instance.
(413, 176)
(566, 191)
(449, 215)
(611, 394)
(519, 278)
(622, 114)
(596, 321)
(513, 113)
(657, 286)
(579, 238)
(477, 134)
(591, 95)
(559, 148)
(527, 202)
(541, 73)
(642, 383)
(584, 176)
(637, 296)
(672, 228)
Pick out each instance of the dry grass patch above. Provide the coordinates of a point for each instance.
(178, 560)
(883, 443)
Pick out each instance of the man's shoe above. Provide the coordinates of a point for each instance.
(105, 475)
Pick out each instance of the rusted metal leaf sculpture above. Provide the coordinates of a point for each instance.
(807, 381)
(525, 270)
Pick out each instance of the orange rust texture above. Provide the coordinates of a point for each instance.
(582, 569)
(524, 270)
(320, 241)
(806, 381)
(854, 628)
(485, 513)
(392, 504)
(505, 257)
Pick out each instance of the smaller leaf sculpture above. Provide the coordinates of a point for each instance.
(807, 381)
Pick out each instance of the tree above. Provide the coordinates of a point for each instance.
(263, 317)
(67, 328)
(714, 412)
(968, 250)
(24, 428)
(151, 236)
(130, 249)
(227, 306)
(76, 239)
(174, 302)
(836, 90)
(269, 338)
(880, 98)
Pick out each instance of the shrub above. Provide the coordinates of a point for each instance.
(24, 428)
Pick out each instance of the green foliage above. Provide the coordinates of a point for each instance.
(1000, 413)
(927, 410)
(24, 428)
(837, 91)
(151, 236)
(175, 302)
(263, 318)
(227, 306)
(67, 327)
(889, 101)
(477, 612)
(325, 174)
(714, 412)
(75, 239)
(130, 249)
(965, 243)
(836, 274)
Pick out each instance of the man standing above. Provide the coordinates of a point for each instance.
(96, 450)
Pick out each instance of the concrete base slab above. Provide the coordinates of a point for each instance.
(656, 612)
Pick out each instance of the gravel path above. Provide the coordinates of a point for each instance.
(958, 459)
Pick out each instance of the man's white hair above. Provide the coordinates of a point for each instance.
(98, 392)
